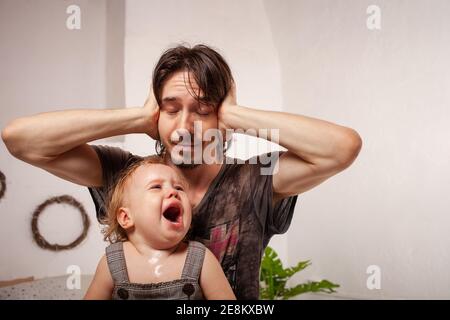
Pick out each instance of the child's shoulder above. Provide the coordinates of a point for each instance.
(115, 245)
(196, 244)
(118, 249)
(195, 249)
(127, 245)
(198, 250)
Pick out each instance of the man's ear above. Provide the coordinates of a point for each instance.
(124, 218)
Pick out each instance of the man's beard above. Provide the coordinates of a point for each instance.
(194, 157)
(188, 162)
(187, 165)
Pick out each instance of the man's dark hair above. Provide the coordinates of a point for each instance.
(207, 66)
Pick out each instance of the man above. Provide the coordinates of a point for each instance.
(237, 209)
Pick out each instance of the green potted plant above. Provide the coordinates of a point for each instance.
(273, 279)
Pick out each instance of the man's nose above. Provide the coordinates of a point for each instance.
(185, 129)
(186, 121)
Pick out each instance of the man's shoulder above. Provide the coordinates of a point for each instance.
(114, 158)
(112, 151)
(254, 168)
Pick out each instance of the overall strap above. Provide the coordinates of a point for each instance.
(194, 261)
(116, 262)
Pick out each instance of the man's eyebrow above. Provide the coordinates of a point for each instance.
(168, 99)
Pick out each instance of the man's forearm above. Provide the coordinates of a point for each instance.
(309, 138)
(53, 133)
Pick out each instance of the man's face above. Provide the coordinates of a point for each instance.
(179, 110)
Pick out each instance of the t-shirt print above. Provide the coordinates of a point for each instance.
(222, 240)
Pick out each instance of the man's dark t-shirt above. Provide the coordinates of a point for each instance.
(235, 219)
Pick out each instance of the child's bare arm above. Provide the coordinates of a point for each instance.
(213, 282)
(102, 285)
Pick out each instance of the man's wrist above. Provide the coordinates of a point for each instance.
(136, 120)
(231, 118)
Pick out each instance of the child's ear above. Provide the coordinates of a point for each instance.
(124, 218)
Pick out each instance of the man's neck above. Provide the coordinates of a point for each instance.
(200, 176)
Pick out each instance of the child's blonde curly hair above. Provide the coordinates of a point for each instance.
(113, 231)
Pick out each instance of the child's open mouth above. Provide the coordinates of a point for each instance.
(173, 213)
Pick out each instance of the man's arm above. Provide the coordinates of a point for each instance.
(57, 141)
(317, 149)
(102, 284)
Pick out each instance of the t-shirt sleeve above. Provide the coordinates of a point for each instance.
(113, 161)
(275, 219)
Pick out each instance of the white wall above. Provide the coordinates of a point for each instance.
(391, 207)
(44, 67)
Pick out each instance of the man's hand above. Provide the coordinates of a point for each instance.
(151, 114)
(224, 109)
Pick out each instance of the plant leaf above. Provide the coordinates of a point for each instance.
(324, 286)
(273, 279)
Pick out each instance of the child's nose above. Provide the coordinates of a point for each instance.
(173, 193)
